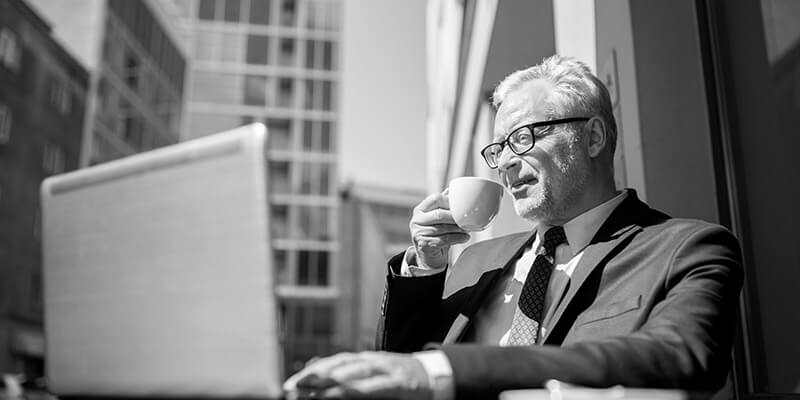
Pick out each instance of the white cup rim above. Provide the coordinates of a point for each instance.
(474, 178)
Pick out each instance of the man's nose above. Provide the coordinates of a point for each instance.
(507, 161)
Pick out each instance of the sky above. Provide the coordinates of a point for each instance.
(384, 93)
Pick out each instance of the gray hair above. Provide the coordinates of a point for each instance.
(580, 92)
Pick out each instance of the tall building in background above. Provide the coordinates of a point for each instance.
(43, 92)
(137, 67)
(276, 62)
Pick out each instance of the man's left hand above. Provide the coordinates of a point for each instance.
(362, 375)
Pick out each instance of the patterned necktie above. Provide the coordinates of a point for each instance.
(528, 315)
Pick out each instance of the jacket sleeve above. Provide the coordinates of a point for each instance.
(410, 310)
(685, 342)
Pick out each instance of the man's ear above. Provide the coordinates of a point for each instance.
(597, 136)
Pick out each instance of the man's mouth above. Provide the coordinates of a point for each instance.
(523, 181)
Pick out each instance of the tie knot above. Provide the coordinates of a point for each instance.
(552, 238)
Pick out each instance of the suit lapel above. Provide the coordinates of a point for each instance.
(486, 281)
(619, 226)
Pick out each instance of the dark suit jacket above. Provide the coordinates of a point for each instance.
(652, 303)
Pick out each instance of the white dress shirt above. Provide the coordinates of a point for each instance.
(493, 319)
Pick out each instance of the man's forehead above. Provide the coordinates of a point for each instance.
(525, 103)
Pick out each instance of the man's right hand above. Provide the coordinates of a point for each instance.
(433, 231)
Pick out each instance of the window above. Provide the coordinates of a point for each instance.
(280, 133)
(60, 97)
(286, 56)
(257, 49)
(255, 90)
(131, 73)
(322, 15)
(288, 12)
(53, 159)
(314, 178)
(312, 268)
(285, 92)
(5, 124)
(316, 136)
(259, 12)
(9, 50)
(132, 131)
(313, 223)
(233, 9)
(281, 266)
(280, 176)
(280, 220)
(206, 10)
(318, 95)
(320, 54)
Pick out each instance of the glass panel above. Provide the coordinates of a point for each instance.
(205, 9)
(216, 87)
(324, 180)
(280, 133)
(259, 12)
(306, 178)
(327, 55)
(313, 223)
(288, 12)
(327, 95)
(257, 49)
(322, 268)
(286, 57)
(280, 176)
(281, 263)
(280, 220)
(760, 49)
(285, 92)
(233, 9)
(255, 90)
(304, 267)
(308, 135)
(310, 48)
(309, 102)
(325, 135)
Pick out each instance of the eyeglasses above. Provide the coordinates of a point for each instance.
(522, 139)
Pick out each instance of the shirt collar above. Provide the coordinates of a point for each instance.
(581, 229)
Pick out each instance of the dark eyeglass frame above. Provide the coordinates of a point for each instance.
(530, 127)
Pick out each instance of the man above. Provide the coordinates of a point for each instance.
(604, 291)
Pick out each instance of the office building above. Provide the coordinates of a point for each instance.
(276, 62)
(43, 95)
(137, 67)
(705, 95)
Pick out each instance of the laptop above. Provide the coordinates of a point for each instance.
(157, 274)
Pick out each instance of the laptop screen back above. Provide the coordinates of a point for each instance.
(157, 274)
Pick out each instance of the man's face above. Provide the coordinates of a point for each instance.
(549, 180)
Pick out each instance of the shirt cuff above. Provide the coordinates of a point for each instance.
(440, 373)
(408, 269)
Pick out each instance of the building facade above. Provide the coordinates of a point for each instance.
(137, 67)
(276, 62)
(705, 95)
(43, 96)
(374, 227)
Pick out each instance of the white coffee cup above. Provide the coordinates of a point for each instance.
(474, 201)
